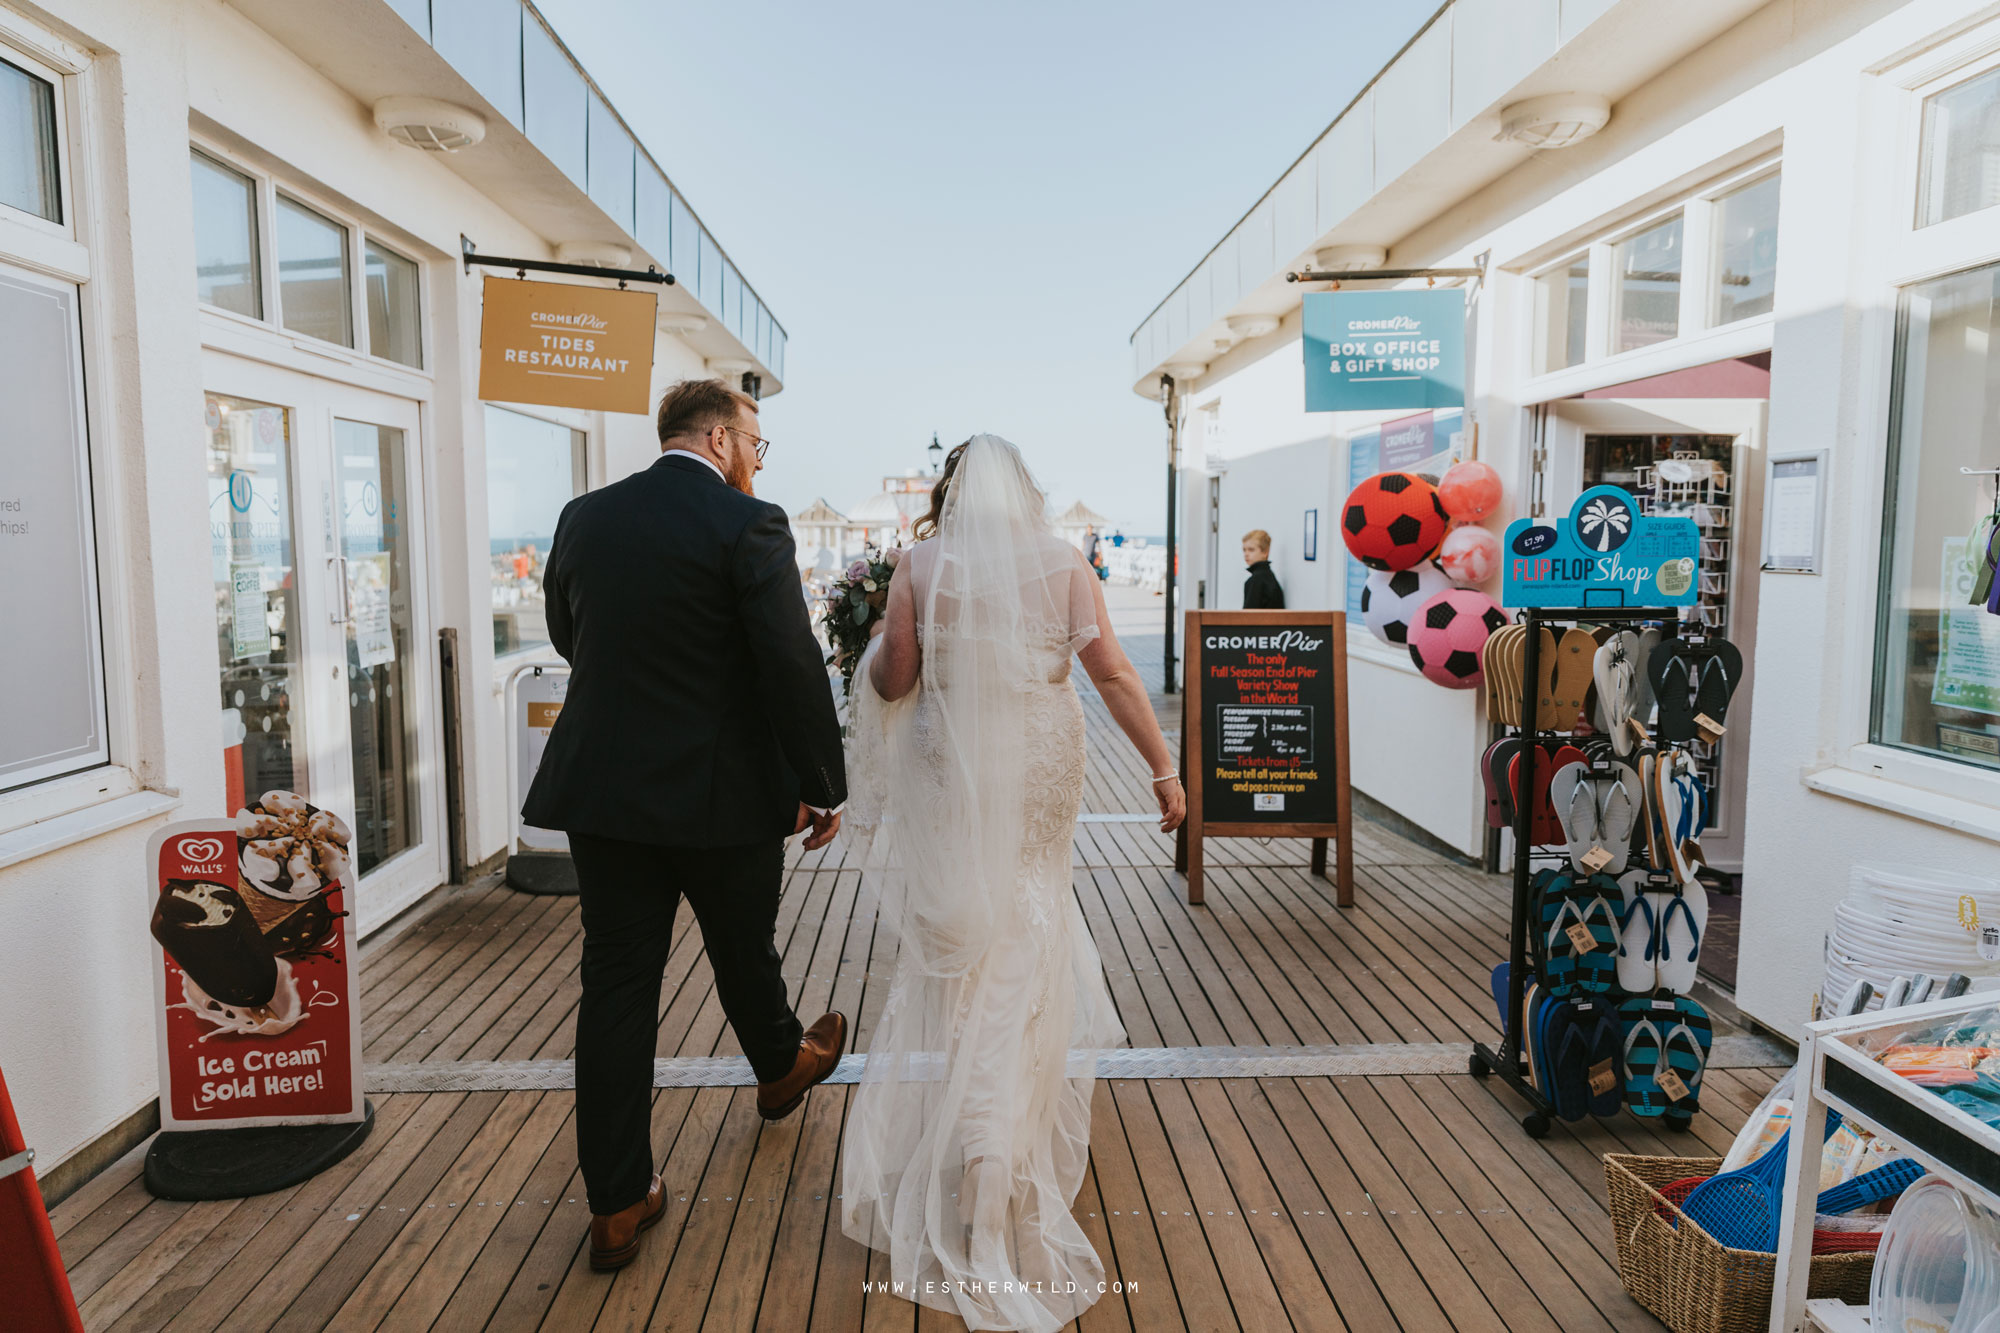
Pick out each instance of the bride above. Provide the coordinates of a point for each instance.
(968, 1135)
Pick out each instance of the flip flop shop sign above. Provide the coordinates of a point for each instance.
(1605, 554)
(1371, 350)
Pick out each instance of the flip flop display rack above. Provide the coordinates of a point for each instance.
(1596, 778)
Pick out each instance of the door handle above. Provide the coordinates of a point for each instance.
(344, 612)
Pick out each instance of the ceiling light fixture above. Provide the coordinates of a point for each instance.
(1555, 121)
(427, 123)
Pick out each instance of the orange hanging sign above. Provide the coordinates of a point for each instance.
(563, 345)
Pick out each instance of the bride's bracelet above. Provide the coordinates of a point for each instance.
(1167, 777)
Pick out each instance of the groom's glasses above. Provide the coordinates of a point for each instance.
(763, 445)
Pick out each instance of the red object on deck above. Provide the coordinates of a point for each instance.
(33, 1287)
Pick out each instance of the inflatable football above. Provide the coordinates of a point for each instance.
(1470, 490)
(1390, 601)
(1392, 520)
(1470, 555)
(1450, 630)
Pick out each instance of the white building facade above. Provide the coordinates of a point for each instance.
(1783, 242)
(248, 478)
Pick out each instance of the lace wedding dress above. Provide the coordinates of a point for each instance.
(968, 1136)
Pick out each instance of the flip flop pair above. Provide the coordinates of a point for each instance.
(1688, 680)
(1596, 810)
(1583, 1042)
(1659, 936)
(1576, 941)
(1665, 1036)
(1565, 678)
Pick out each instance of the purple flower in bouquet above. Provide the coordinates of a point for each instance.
(857, 599)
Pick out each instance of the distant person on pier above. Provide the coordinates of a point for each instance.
(1261, 591)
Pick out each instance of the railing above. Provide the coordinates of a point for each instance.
(1141, 566)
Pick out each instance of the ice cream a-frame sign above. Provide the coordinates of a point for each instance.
(256, 986)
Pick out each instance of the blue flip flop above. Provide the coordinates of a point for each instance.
(1605, 1081)
(1597, 967)
(1686, 1053)
(1645, 1053)
(1569, 1065)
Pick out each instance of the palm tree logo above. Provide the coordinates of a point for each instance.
(1607, 520)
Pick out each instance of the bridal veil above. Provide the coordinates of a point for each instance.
(968, 1137)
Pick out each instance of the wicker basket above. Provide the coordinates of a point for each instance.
(1690, 1280)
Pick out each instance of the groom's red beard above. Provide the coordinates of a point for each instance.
(742, 476)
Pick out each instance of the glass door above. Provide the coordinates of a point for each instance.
(323, 625)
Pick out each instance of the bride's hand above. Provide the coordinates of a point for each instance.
(1173, 804)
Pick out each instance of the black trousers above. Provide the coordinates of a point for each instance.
(629, 893)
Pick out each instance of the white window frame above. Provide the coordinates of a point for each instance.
(365, 368)
(1903, 255)
(58, 811)
(1698, 337)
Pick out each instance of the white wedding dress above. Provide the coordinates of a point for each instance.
(968, 1136)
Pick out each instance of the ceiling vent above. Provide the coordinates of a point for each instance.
(1555, 121)
(426, 123)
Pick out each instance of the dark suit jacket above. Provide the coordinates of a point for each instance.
(699, 711)
(1261, 591)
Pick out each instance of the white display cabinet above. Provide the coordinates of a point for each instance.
(1838, 1073)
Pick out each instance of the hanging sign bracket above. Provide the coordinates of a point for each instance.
(524, 266)
(1388, 274)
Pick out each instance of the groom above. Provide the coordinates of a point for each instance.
(698, 734)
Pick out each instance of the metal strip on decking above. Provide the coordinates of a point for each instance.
(1386, 1059)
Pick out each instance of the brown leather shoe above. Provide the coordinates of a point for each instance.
(614, 1237)
(819, 1052)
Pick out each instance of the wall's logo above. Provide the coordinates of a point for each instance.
(202, 849)
(239, 492)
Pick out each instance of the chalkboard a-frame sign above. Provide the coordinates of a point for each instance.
(1264, 741)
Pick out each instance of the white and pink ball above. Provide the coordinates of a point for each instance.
(1470, 555)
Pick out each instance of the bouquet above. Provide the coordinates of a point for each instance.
(858, 598)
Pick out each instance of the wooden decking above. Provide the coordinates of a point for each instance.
(1366, 1201)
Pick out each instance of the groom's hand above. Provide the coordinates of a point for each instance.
(805, 818)
(824, 827)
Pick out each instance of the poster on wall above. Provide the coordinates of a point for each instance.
(566, 345)
(1968, 671)
(1367, 351)
(257, 987)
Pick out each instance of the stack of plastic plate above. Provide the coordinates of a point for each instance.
(1901, 923)
(1938, 1269)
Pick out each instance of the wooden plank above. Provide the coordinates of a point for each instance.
(507, 1260)
(1141, 1263)
(806, 1215)
(1197, 1282)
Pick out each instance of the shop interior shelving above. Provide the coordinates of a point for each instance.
(1838, 1073)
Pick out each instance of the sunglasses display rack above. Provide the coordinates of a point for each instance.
(1507, 1060)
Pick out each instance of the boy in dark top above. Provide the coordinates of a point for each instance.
(1261, 591)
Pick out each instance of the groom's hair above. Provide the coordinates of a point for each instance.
(696, 407)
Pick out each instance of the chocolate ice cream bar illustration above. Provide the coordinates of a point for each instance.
(208, 930)
(291, 849)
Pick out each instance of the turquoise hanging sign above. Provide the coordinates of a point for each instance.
(1366, 351)
(1605, 554)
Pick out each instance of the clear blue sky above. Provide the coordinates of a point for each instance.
(960, 213)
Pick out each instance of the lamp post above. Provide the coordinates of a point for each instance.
(936, 451)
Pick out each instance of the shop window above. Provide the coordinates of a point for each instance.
(52, 718)
(533, 468)
(1646, 287)
(1562, 296)
(257, 627)
(1746, 251)
(1960, 150)
(29, 167)
(226, 271)
(313, 292)
(1937, 674)
(394, 330)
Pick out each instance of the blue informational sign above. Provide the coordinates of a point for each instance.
(1366, 351)
(1364, 460)
(1606, 553)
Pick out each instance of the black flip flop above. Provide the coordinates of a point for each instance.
(1669, 675)
(1711, 694)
